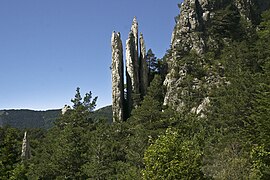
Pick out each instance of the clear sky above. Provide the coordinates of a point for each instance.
(50, 47)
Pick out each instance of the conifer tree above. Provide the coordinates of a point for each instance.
(62, 154)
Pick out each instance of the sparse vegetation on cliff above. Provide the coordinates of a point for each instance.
(205, 114)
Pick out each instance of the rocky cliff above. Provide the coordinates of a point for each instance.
(203, 26)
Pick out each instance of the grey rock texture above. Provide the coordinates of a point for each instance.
(134, 30)
(65, 109)
(191, 35)
(136, 73)
(187, 36)
(132, 74)
(117, 78)
(26, 152)
(144, 79)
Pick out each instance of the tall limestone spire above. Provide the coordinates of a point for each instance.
(136, 73)
(117, 78)
(134, 29)
(26, 153)
(132, 74)
(143, 67)
(132, 67)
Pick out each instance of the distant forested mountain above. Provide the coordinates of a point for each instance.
(103, 113)
(205, 115)
(28, 118)
(24, 118)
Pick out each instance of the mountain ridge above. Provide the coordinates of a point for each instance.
(27, 118)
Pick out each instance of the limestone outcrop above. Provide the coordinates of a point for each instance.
(65, 109)
(117, 77)
(26, 152)
(143, 67)
(134, 30)
(132, 74)
(124, 100)
(194, 33)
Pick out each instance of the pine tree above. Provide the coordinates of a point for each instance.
(62, 154)
(9, 151)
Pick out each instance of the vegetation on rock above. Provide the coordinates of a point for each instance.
(214, 123)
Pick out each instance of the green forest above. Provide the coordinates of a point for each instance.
(231, 140)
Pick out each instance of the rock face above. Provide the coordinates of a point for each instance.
(117, 78)
(136, 73)
(143, 67)
(187, 36)
(132, 75)
(134, 30)
(65, 109)
(192, 34)
(26, 153)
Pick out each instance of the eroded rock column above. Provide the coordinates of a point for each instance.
(117, 78)
(26, 153)
(143, 67)
(129, 97)
(132, 74)
(134, 30)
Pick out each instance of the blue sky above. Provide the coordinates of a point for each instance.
(50, 47)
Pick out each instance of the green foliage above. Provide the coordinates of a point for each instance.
(105, 156)
(226, 23)
(151, 61)
(102, 113)
(231, 101)
(172, 157)
(227, 149)
(146, 122)
(62, 154)
(150, 109)
(260, 163)
(258, 122)
(9, 151)
(156, 66)
(265, 26)
(230, 140)
(239, 115)
(19, 172)
(260, 117)
(227, 157)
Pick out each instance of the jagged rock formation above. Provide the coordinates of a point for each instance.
(195, 33)
(143, 67)
(117, 77)
(136, 73)
(132, 74)
(65, 109)
(134, 30)
(26, 152)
